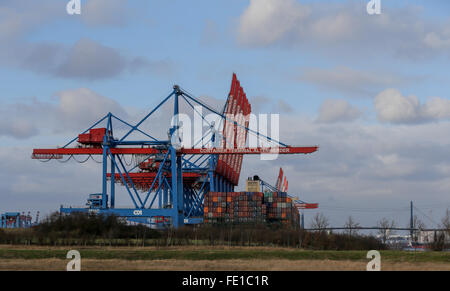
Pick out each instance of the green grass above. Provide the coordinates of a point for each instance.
(222, 254)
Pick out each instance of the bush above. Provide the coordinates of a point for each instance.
(266, 235)
(79, 228)
(89, 227)
(85, 229)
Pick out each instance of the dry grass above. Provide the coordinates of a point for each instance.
(218, 265)
(121, 261)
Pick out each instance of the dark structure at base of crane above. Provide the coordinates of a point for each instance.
(169, 184)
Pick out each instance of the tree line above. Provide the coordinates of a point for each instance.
(386, 228)
(84, 229)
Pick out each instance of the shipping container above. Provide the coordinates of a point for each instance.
(249, 207)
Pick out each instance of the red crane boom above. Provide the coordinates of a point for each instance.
(60, 152)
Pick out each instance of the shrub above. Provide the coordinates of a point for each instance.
(84, 229)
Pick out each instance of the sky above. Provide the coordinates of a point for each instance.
(371, 90)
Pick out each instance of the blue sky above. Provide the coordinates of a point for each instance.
(372, 91)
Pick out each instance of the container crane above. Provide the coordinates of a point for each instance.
(169, 182)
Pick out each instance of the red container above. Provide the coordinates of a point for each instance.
(98, 131)
(97, 138)
(84, 138)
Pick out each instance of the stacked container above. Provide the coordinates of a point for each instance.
(249, 207)
(215, 206)
(280, 208)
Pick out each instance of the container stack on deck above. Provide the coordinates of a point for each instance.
(249, 207)
(280, 207)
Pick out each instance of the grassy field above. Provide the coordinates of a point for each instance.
(225, 258)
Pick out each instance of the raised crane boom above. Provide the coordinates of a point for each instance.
(164, 179)
(60, 152)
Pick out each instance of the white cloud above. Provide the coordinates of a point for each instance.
(363, 165)
(392, 165)
(263, 104)
(20, 16)
(88, 59)
(391, 106)
(164, 67)
(105, 12)
(30, 185)
(337, 110)
(436, 108)
(353, 82)
(85, 59)
(17, 128)
(334, 27)
(74, 111)
(438, 41)
(267, 21)
(82, 105)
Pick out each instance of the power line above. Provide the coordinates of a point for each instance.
(429, 218)
(361, 209)
(375, 228)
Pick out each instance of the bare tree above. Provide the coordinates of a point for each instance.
(417, 224)
(446, 220)
(351, 224)
(385, 228)
(319, 221)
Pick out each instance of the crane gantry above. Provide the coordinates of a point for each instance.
(169, 181)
